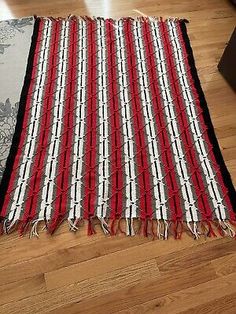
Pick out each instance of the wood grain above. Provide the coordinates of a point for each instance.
(72, 273)
(183, 300)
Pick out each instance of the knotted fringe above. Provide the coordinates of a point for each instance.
(55, 222)
(91, 229)
(143, 17)
(130, 227)
(194, 229)
(154, 228)
(34, 229)
(104, 226)
(113, 228)
(162, 229)
(227, 229)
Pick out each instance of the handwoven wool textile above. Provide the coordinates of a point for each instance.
(113, 124)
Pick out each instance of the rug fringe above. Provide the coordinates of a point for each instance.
(150, 228)
(142, 18)
(72, 225)
(104, 226)
(130, 227)
(55, 223)
(91, 229)
(194, 229)
(227, 229)
(113, 231)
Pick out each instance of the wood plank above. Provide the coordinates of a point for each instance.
(226, 305)
(65, 257)
(111, 262)
(182, 301)
(96, 286)
(22, 289)
(142, 292)
(225, 265)
(207, 252)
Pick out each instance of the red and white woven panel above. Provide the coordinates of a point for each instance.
(113, 124)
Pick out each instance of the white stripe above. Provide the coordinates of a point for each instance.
(80, 125)
(130, 190)
(57, 124)
(197, 135)
(24, 171)
(103, 148)
(150, 125)
(175, 139)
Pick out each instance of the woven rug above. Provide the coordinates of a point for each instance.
(113, 124)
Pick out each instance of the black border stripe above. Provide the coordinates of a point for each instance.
(20, 117)
(206, 115)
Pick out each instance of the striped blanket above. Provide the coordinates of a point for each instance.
(113, 125)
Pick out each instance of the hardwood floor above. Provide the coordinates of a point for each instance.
(73, 273)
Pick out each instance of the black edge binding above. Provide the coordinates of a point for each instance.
(20, 117)
(206, 115)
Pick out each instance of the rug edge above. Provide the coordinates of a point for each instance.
(207, 118)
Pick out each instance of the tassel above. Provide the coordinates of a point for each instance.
(46, 222)
(119, 227)
(193, 230)
(162, 229)
(104, 225)
(175, 229)
(158, 229)
(113, 230)
(130, 227)
(153, 230)
(24, 226)
(179, 230)
(34, 229)
(204, 230)
(210, 231)
(5, 226)
(227, 229)
(143, 227)
(231, 231)
(55, 223)
(91, 229)
(72, 225)
(220, 230)
(166, 227)
(150, 228)
(9, 226)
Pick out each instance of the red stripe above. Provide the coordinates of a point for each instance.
(62, 182)
(190, 153)
(116, 160)
(23, 135)
(166, 157)
(37, 171)
(142, 160)
(91, 137)
(204, 127)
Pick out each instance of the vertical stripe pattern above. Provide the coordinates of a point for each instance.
(113, 127)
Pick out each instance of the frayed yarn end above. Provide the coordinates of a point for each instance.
(149, 228)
